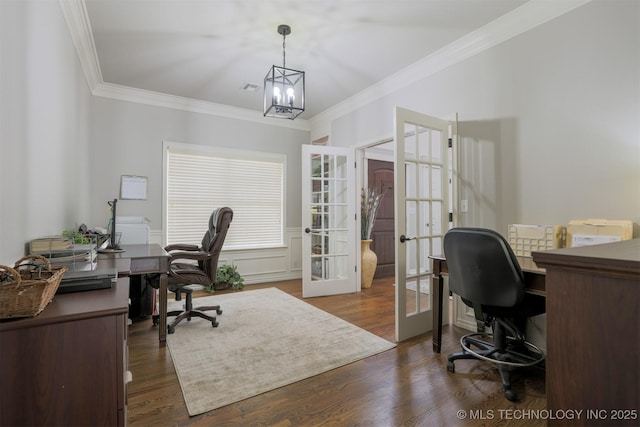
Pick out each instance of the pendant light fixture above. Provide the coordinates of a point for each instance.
(283, 87)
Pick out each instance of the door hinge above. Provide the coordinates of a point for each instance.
(450, 216)
(355, 165)
(450, 142)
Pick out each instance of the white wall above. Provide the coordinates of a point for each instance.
(63, 150)
(549, 123)
(126, 139)
(44, 127)
(549, 120)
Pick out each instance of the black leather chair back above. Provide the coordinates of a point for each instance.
(213, 239)
(482, 268)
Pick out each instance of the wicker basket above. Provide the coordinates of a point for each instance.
(27, 288)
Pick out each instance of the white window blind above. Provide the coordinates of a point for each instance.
(251, 184)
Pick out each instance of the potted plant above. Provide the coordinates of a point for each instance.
(369, 203)
(227, 276)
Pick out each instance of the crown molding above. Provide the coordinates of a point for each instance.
(530, 15)
(75, 13)
(141, 96)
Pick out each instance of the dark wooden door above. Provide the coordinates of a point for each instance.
(380, 175)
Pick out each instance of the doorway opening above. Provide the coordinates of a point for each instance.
(377, 170)
(380, 176)
(414, 168)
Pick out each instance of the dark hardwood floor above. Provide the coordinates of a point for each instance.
(405, 386)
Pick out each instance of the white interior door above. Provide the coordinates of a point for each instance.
(422, 215)
(328, 221)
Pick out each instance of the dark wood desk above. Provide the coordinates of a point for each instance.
(593, 332)
(67, 365)
(143, 259)
(534, 278)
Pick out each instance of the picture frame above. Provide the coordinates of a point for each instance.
(133, 187)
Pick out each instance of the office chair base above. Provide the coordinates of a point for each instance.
(181, 315)
(517, 354)
(188, 314)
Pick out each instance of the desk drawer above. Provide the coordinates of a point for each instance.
(145, 265)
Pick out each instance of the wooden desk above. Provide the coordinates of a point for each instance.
(534, 278)
(143, 259)
(67, 365)
(593, 332)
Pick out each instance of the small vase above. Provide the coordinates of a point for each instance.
(368, 264)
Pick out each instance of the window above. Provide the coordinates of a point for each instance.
(202, 178)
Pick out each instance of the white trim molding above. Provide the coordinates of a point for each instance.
(269, 265)
(262, 265)
(75, 13)
(528, 16)
(141, 96)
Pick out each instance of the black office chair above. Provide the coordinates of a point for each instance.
(182, 274)
(484, 271)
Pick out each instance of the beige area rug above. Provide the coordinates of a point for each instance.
(266, 339)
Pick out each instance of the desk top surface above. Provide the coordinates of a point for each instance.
(77, 306)
(152, 250)
(623, 256)
(625, 250)
(136, 259)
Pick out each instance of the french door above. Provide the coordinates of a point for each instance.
(328, 221)
(422, 214)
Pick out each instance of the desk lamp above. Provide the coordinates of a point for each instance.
(112, 247)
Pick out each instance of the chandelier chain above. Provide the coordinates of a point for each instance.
(284, 63)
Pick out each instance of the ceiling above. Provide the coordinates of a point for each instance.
(208, 50)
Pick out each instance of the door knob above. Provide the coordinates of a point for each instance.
(404, 239)
(307, 230)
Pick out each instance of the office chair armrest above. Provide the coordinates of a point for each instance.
(182, 247)
(181, 272)
(197, 256)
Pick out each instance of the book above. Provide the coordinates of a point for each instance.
(48, 244)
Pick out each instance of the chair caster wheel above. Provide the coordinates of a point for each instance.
(510, 395)
(451, 367)
(214, 324)
(219, 312)
(170, 329)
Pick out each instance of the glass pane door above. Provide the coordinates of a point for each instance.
(328, 221)
(422, 215)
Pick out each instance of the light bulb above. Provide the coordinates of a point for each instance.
(290, 96)
(276, 95)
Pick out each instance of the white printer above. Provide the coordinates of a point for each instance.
(135, 229)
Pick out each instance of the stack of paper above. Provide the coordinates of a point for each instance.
(60, 250)
(50, 244)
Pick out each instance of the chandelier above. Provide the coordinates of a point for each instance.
(283, 87)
